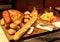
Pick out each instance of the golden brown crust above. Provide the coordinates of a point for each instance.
(15, 15)
(12, 15)
(6, 16)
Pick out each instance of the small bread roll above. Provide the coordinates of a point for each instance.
(13, 25)
(11, 31)
(17, 22)
(26, 12)
(27, 16)
(2, 22)
(26, 20)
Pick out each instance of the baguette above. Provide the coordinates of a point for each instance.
(22, 31)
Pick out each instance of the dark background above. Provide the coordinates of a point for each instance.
(29, 4)
(39, 4)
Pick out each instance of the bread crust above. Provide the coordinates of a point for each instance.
(12, 15)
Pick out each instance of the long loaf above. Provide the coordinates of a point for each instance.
(22, 31)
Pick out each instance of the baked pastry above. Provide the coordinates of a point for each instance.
(12, 15)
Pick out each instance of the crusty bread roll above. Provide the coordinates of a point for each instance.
(12, 15)
(6, 16)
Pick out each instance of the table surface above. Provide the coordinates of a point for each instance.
(51, 37)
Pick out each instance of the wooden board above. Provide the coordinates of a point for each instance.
(35, 32)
